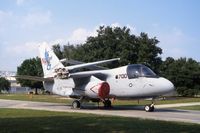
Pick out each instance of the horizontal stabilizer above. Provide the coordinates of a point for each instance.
(33, 78)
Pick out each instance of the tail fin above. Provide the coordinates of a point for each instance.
(49, 60)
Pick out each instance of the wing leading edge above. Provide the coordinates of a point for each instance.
(34, 78)
(86, 65)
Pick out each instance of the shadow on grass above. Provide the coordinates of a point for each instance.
(90, 123)
(128, 107)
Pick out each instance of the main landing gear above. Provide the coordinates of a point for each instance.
(76, 104)
(107, 103)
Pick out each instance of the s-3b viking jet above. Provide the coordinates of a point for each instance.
(131, 81)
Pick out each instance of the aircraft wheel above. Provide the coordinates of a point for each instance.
(76, 104)
(107, 103)
(149, 108)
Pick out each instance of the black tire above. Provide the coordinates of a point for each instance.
(107, 104)
(76, 104)
(147, 108)
(151, 108)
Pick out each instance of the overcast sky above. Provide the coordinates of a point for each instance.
(24, 24)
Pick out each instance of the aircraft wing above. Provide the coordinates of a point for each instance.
(86, 65)
(33, 78)
(94, 67)
(86, 74)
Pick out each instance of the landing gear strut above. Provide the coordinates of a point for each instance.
(149, 108)
(107, 103)
(76, 104)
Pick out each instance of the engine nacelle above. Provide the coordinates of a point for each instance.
(97, 89)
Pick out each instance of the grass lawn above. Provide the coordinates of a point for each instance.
(59, 99)
(39, 98)
(32, 121)
(169, 100)
(196, 107)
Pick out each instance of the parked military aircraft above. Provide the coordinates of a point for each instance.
(131, 81)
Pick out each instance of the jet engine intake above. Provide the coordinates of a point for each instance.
(103, 90)
(98, 90)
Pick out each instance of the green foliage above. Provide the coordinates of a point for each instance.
(116, 42)
(184, 73)
(31, 67)
(148, 52)
(57, 50)
(4, 84)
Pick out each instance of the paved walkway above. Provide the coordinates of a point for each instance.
(177, 105)
(136, 111)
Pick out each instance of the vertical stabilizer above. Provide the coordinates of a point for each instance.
(49, 60)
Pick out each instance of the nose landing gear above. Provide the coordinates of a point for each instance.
(149, 108)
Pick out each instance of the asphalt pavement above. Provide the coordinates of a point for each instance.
(162, 112)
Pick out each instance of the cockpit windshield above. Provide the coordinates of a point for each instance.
(138, 70)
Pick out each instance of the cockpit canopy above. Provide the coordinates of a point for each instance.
(138, 70)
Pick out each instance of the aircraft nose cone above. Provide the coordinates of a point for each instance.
(168, 86)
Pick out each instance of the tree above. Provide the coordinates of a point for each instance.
(184, 73)
(58, 51)
(31, 67)
(119, 42)
(148, 52)
(69, 51)
(4, 84)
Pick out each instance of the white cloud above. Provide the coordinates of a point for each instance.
(33, 19)
(155, 25)
(7, 19)
(20, 2)
(173, 37)
(10, 21)
(116, 24)
(24, 49)
(58, 41)
(5, 15)
(175, 52)
(80, 35)
(132, 29)
(178, 32)
(16, 53)
(175, 43)
(13, 54)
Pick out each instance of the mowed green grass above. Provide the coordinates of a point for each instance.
(32, 121)
(38, 98)
(196, 107)
(59, 99)
(169, 100)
